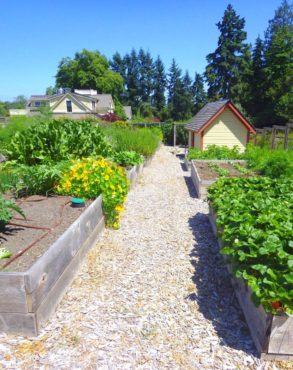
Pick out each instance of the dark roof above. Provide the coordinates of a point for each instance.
(205, 114)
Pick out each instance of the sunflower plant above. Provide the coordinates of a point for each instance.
(90, 177)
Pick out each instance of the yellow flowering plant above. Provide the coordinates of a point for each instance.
(90, 177)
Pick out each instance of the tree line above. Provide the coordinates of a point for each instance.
(257, 78)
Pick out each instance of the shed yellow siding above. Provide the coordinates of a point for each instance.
(226, 129)
(62, 108)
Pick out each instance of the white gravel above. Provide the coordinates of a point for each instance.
(152, 295)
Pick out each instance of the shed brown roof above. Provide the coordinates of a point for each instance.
(210, 111)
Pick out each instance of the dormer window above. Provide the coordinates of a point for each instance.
(69, 105)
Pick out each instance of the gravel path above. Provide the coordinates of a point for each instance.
(152, 295)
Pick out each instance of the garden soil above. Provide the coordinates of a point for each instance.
(52, 212)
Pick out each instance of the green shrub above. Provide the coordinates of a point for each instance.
(254, 219)
(14, 125)
(127, 158)
(168, 134)
(57, 140)
(273, 163)
(215, 152)
(141, 140)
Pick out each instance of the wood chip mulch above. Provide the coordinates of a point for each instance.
(153, 295)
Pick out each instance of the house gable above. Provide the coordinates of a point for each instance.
(77, 106)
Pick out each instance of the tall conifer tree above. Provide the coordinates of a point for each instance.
(279, 65)
(146, 75)
(198, 93)
(228, 66)
(160, 83)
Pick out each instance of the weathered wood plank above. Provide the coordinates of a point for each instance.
(12, 292)
(281, 339)
(47, 269)
(132, 176)
(52, 299)
(272, 334)
(18, 323)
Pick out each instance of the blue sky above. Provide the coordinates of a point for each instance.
(36, 35)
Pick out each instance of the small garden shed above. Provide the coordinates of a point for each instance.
(219, 123)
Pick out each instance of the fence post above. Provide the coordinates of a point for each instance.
(174, 134)
(287, 131)
(274, 132)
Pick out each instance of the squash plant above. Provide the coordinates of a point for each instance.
(254, 219)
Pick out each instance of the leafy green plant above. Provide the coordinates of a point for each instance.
(5, 253)
(254, 219)
(15, 124)
(273, 163)
(241, 169)
(222, 172)
(215, 152)
(6, 209)
(38, 179)
(141, 140)
(57, 140)
(90, 177)
(8, 180)
(127, 158)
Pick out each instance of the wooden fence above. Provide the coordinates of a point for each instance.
(276, 136)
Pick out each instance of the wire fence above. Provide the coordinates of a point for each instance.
(275, 137)
(173, 133)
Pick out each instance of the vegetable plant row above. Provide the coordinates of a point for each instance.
(77, 158)
(254, 220)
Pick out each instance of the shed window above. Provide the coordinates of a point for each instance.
(69, 105)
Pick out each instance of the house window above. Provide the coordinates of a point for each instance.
(93, 105)
(37, 103)
(69, 105)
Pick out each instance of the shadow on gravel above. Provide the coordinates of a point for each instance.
(214, 292)
(190, 186)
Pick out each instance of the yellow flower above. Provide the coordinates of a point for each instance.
(106, 177)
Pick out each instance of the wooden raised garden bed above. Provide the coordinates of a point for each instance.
(272, 334)
(32, 285)
(202, 177)
(28, 298)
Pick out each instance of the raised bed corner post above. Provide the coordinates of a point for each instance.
(174, 134)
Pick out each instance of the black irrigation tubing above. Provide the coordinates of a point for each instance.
(49, 230)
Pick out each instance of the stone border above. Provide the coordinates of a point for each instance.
(272, 334)
(27, 299)
(201, 186)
